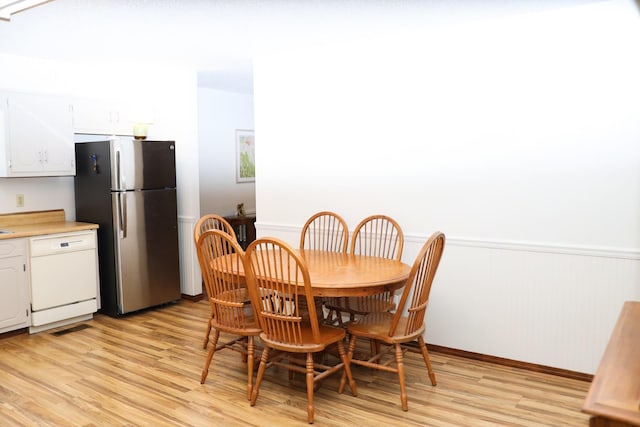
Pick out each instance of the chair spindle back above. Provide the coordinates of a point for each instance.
(212, 222)
(379, 236)
(279, 286)
(325, 231)
(225, 286)
(418, 286)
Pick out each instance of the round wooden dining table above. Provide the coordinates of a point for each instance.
(336, 274)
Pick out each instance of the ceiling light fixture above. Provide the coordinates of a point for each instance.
(9, 7)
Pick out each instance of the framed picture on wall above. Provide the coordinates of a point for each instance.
(245, 156)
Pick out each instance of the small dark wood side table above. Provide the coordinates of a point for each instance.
(614, 396)
(245, 228)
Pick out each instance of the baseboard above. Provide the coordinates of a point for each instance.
(511, 363)
(193, 298)
(13, 333)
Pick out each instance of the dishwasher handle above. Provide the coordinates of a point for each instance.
(62, 243)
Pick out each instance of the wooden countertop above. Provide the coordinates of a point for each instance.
(27, 224)
(614, 395)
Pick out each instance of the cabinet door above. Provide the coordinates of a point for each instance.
(40, 135)
(93, 116)
(14, 295)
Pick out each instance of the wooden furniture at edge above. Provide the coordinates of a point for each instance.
(614, 395)
(244, 227)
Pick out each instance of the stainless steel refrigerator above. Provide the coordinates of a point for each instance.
(128, 187)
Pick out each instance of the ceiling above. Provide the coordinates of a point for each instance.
(219, 38)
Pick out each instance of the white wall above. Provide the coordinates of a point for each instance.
(517, 137)
(220, 113)
(170, 92)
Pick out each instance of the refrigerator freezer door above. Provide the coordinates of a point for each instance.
(146, 237)
(142, 164)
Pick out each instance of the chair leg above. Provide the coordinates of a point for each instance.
(329, 318)
(243, 356)
(425, 356)
(291, 373)
(334, 316)
(343, 378)
(250, 359)
(261, 369)
(346, 370)
(310, 382)
(339, 317)
(374, 348)
(400, 367)
(206, 337)
(214, 343)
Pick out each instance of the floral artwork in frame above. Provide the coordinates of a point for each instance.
(245, 156)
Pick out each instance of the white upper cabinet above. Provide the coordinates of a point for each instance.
(36, 135)
(93, 116)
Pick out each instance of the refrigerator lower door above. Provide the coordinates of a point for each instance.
(146, 241)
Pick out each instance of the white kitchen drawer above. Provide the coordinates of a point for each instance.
(59, 315)
(62, 243)
(12, 247)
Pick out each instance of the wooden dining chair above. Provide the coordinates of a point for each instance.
(325, 231)
(228, 297)
(379, 236)
(395, 330)
(212, 222)
(205, 223)
(281, 293)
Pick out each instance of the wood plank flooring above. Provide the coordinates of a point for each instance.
(144, 370)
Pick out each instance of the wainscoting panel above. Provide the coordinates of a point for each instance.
(190, 278)
(539, 306)
(543, 304)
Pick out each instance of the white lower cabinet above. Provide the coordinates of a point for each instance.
(14, 285)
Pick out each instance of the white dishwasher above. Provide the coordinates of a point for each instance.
(64, 279)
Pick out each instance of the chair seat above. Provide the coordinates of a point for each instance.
(376, 326)
(328, 335)
(356, 306)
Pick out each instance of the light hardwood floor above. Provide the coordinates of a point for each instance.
(145, 370)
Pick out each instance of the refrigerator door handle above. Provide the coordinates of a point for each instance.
(120, 181)
(122, 214)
